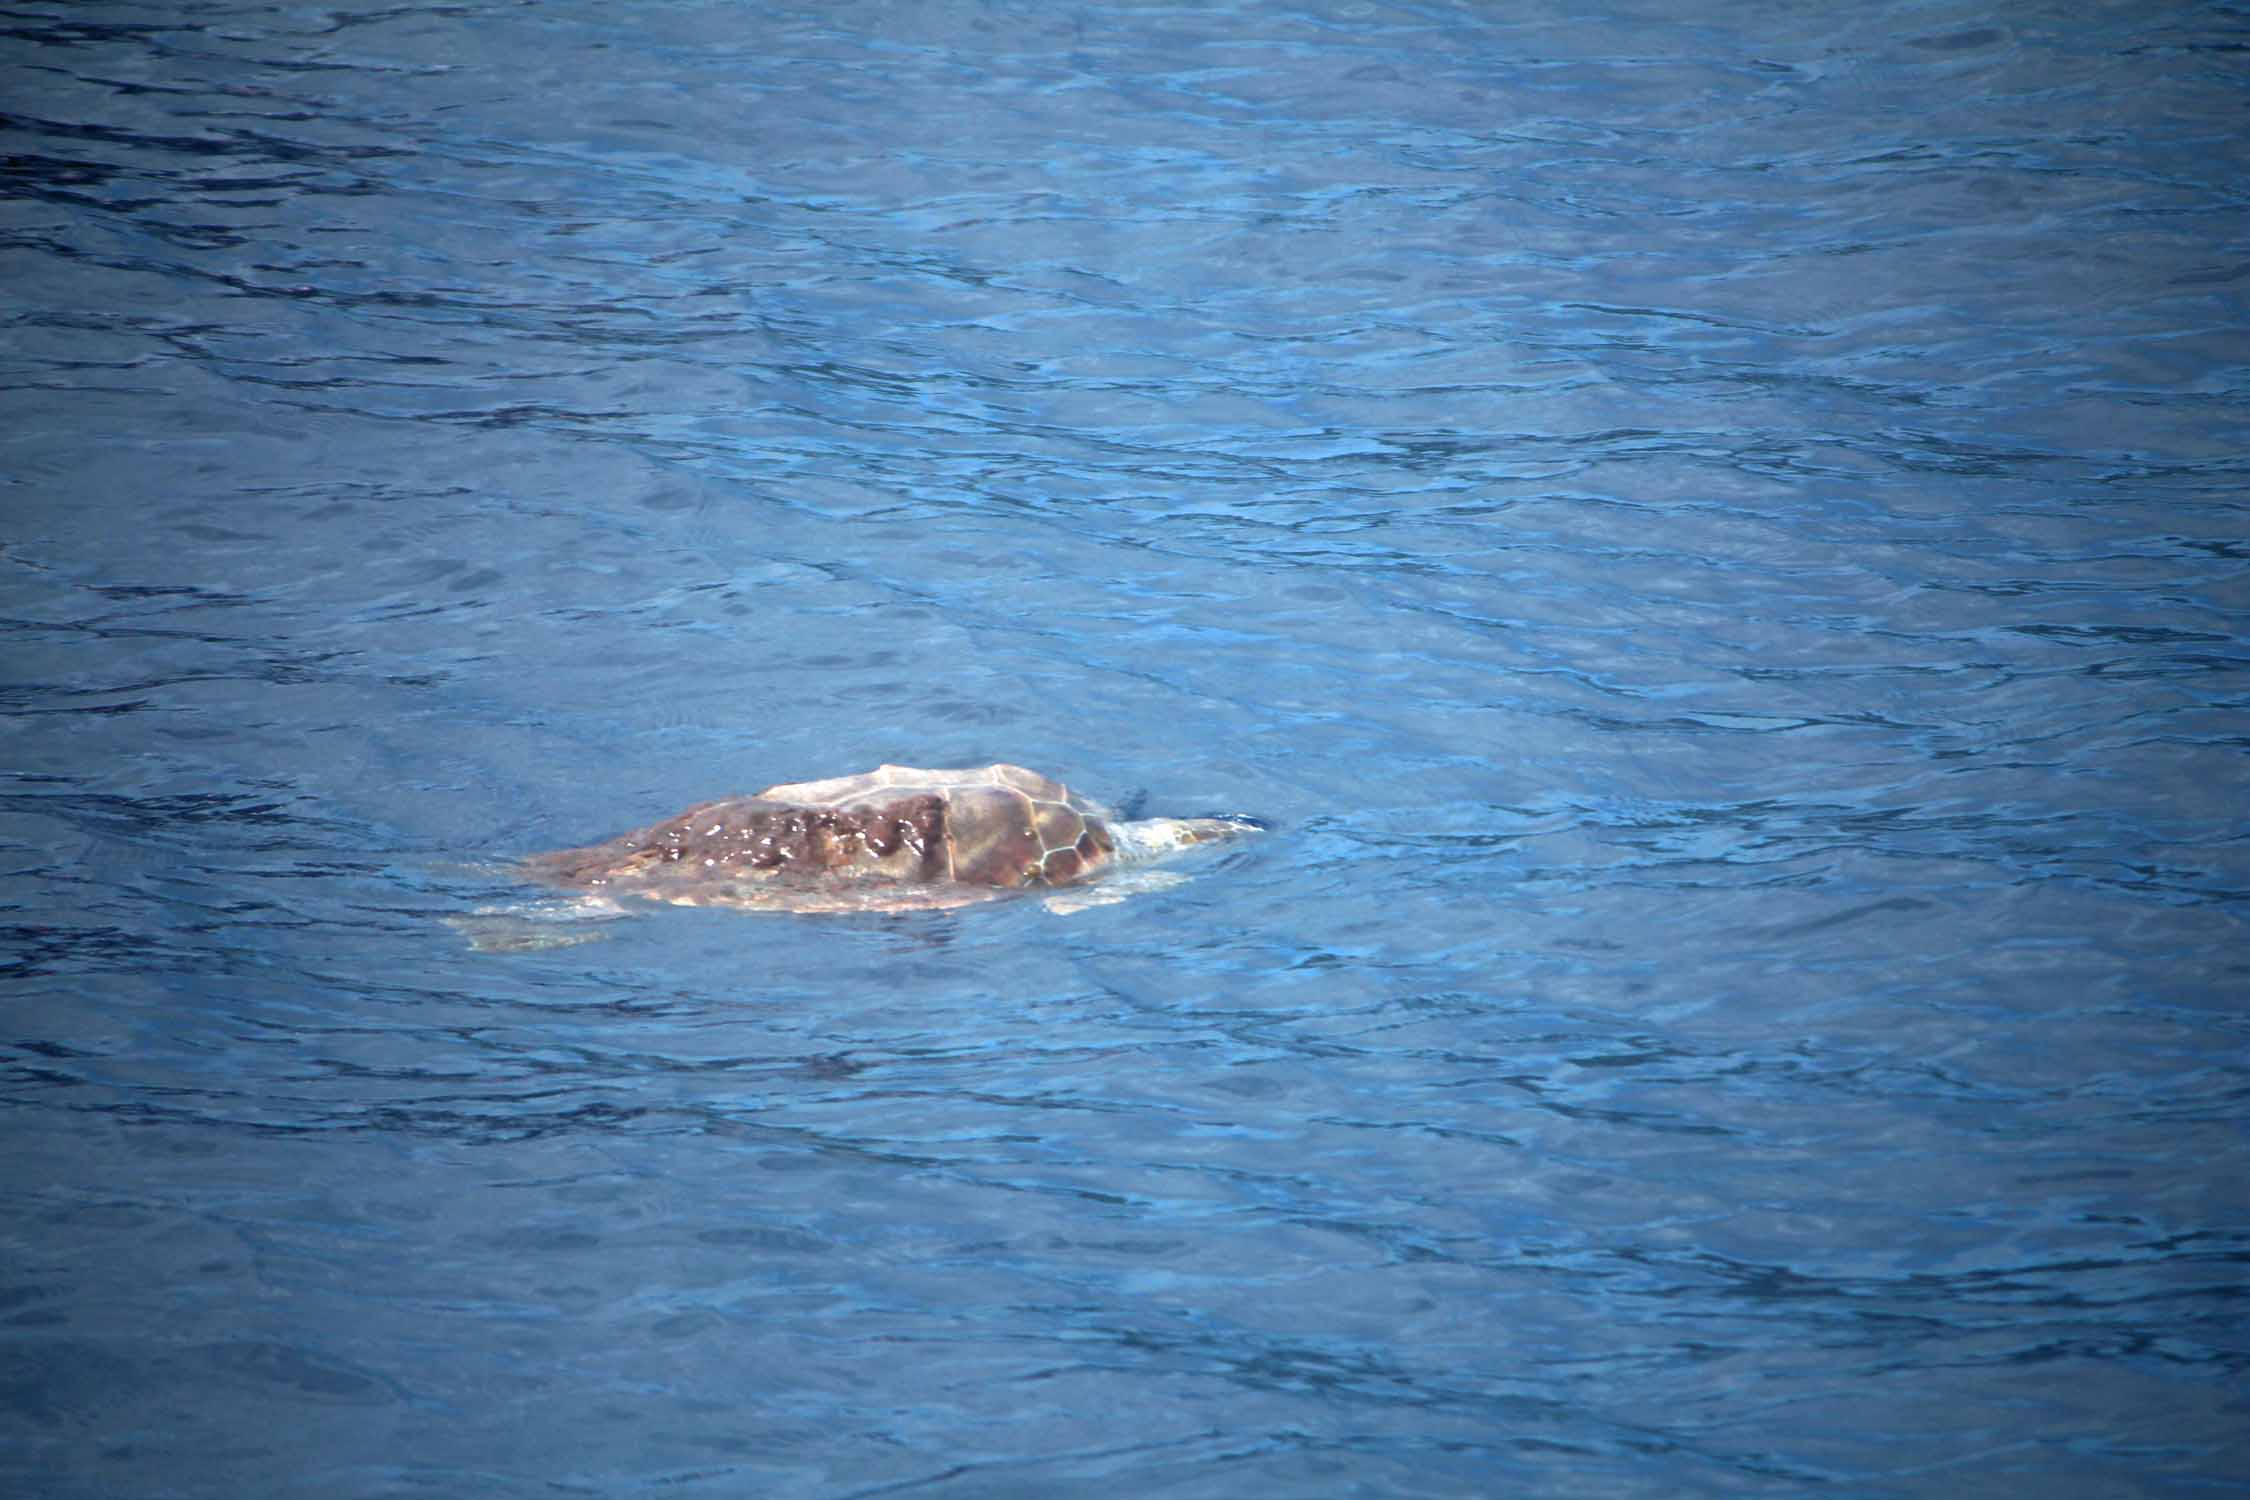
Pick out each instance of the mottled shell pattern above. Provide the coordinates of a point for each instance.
(892, 838)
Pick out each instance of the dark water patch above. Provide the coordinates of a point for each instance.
(296, 1373)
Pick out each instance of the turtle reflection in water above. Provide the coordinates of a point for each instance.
(897, 838)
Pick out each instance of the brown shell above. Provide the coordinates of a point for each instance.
(894, 838)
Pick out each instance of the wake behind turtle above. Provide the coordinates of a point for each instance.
(897, 838)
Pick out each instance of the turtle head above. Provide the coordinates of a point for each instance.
(1154, 838)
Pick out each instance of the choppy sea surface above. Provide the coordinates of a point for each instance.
(1716, 536)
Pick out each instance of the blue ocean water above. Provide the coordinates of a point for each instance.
(1716, 538)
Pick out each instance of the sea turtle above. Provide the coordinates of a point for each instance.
(897, 838)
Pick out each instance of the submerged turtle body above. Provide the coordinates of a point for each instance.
(892, 839)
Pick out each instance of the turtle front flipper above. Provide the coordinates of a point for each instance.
(1121, 886)
(533, 926)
